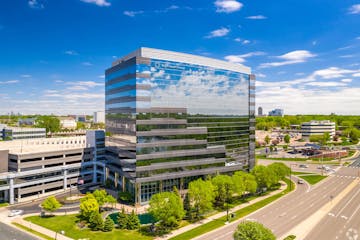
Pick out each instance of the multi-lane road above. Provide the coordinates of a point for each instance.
(10, 233)
(291, 210)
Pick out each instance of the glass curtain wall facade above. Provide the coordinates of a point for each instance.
(171, 120)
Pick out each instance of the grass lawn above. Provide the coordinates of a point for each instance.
(301, 173)
(313, 179)
(238, 214)
(32, 231)
(4, 204)
(68, 224)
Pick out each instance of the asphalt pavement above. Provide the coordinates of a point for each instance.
(289, 211)
(10, 233)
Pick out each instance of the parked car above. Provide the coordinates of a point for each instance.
(303, 166)
(300, 181)
(14, 213)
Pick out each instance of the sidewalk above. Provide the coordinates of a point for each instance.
(221, 214)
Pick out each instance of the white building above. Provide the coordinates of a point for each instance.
(99, 117)
(317, 128)
(14, 133)
(67, 122)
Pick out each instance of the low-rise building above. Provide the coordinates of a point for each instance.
(27, 121)
(317, 128)
(67, 122)
(15, 133)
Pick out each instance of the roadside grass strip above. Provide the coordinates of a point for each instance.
(32, 231)
(217, 223)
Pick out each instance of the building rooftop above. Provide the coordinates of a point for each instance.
(184, 57)
(43, 144)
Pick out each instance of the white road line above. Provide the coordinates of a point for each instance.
(348, 202)
(344, 217)
(357, 209)
(331, 214)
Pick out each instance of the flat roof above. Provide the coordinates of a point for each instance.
(39, 145)
(184, 57)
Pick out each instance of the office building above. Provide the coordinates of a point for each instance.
(317, 128)
(99, 117)
(277, 112)
(260, 111)
(27, 121)
(14, 133)
(175, 117)
(33, 168)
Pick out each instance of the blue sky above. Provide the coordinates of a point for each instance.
(306, 54)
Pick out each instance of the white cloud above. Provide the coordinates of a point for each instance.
(356, 74)
(77, 88)
(87, 64)
(246, 42)
(59, 81)
(36, 4)
(326, 84)
(71, 52)
(298, 56)
(85, 83)
(132, 13)
(25, 75)
(347, 56)
(314, 43)
(228, 6)
(237, 40)
(333, 72)
(260, 75)
(346, 80)
(354, 9)
(256, 17)
(358, 38)
(100, 3)
(9, 82)
(241, 58)
(221, 32)
(101, 76)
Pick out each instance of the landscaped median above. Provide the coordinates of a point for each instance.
(238, 214)
(312, 178)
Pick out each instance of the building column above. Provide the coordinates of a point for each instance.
(94, 180)
(104, 174)
(11, 190)
(116, 177)
(137, 194)
(65, 172)
(6, 195)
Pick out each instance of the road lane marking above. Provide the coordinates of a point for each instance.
(344, 217)
(348, 202)
(331, 214)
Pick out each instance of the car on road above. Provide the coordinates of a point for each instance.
(300, 181)
(303, 166)
(14, 213)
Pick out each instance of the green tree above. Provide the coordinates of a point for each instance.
(246, 182)
(253, 230)
(201, 195)
(88, 206)
(264, 176)
(133, 221)
(279, 169)
(111, 200)
(52, 124)
(50, 204)
(325, 138)
(224, 189)
(187, 206)
(108, 225)
(95, 221)
(287, 139)
(167, 207)
(101, 196)
(267, 139)
(122, 219)
(80, 125)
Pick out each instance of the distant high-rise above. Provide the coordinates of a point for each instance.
(174, 117)
(260, 111)
(99, 117)
(277, 112)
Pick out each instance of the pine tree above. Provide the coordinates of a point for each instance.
(133, 221)
(122, 219)
(96, 222)
(108, 225)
